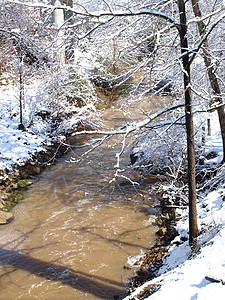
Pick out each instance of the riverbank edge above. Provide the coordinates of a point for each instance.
(152, 260)
(15, 182)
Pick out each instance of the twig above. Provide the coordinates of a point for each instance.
(214, 280)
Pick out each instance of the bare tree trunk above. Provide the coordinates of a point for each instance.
(21, 94)
(69, 51)
(211, 73)
(59, 21)
(193, 226)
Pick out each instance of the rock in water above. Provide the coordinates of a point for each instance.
(5, 217)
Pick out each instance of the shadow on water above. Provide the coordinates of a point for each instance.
(96, 285)
(115, 240)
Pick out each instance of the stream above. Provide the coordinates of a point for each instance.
(76, 228)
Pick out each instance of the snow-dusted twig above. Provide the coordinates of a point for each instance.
(94, 28)
(204, 38)
(98, 143)
(213, 13)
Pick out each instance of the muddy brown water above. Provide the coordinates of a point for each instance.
(76, 228)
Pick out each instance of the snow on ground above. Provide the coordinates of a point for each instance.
(16, 145)
(184, 273)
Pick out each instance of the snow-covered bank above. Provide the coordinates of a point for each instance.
(51, 109)
(185, 275)
(16, 145)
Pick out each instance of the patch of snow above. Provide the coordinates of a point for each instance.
(16, 145)
(214, 142)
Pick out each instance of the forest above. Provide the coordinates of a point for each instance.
(147, 76)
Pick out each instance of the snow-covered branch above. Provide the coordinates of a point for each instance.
(94, 28)
(99, 14)
(202, 19)
(204, 38)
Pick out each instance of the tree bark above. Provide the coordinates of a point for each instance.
(193, 226)
(21, 93)
(211, 73)
(59, 20)
(69, 51)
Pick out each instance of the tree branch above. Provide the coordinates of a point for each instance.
(203, 39)
(85, 12)
(131, 127)
(197, 19)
